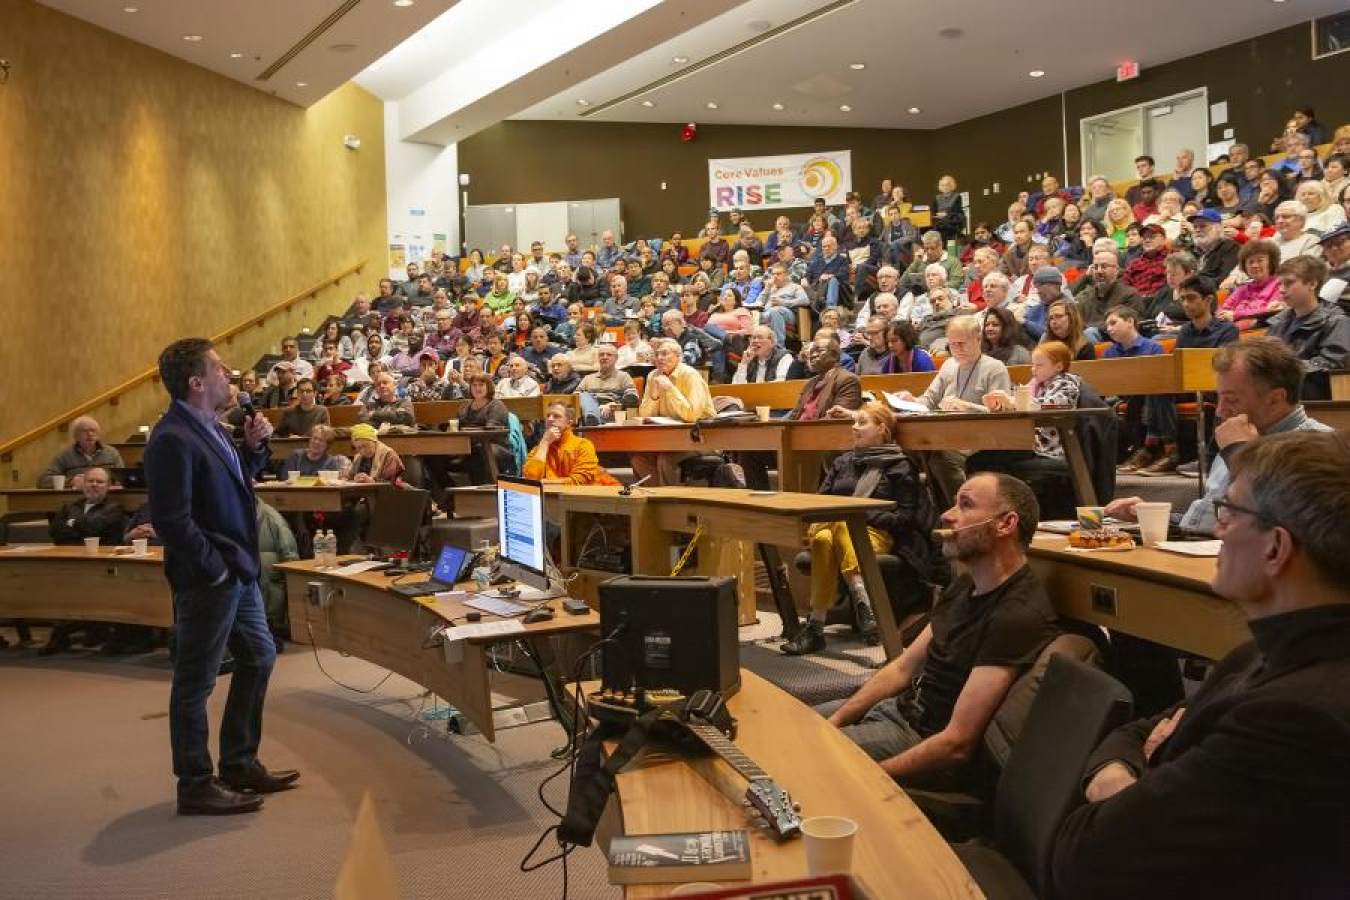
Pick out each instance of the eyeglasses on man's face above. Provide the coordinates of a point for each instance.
(1225, 510)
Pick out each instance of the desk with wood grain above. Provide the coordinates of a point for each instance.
(1152, 594)
(278, 494)
(360, 616)
(68, 583)
(897, 853)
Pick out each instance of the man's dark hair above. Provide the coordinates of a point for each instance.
(1268, 361)
(1146, 158)
(1199, 284)
(1014, 494)
(305, 381)
(181, 361)
(1308, 269)
(1124, 312)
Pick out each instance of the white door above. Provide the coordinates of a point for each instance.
(1111, 142)
(1173, 124)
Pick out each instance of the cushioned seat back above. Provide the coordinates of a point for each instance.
(1011, 716)
(1074, 709)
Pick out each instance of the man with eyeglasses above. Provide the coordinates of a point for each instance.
(676, 391)
(1259, 382)
(1243, 789)
(1105, 291)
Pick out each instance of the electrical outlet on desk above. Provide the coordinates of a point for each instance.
(1103, 599)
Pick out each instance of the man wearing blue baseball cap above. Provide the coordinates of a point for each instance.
(1217, 254)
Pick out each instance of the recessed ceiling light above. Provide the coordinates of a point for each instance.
(857, 67)
(130, 9)
(711, 104)
(236, 56)
(1036, 73)
(302, 84)
(778, 107)
(844, 107)
(679, 60)
(583, 103)
(914, 110)
(647, 103)
(403, 2)
(192, 38)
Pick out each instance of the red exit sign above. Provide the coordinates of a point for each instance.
(1127, 70)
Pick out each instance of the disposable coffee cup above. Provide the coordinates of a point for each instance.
(1022, 398)
(1153, 521)
(829, 844)
(91, 545)
(329, 476)
(762, 412)
(620, 416)
(141, 546)
(292, 476)
(452, 425)
(1090, 518)
(58, 482)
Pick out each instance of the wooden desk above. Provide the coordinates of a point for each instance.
(363, 618)
(1152, 594)
(67, 583)
(897, 853)
(694, 438)
(422, 443)
(1340, 385)
(1333, 413)
(45, 501)
(313, 498)
(733, 521)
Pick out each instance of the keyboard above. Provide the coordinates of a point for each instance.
(497, 606)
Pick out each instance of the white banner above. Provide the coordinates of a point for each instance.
(776, 182)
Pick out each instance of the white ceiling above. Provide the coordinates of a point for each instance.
(262, 31)
(908, 63)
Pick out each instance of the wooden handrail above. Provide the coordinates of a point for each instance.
(152, 374)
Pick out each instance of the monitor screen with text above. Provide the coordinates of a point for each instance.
(520, 522)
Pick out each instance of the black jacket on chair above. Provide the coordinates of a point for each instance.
(1249, 797)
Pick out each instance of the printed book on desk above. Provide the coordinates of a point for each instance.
(686, 856)
(814, 887)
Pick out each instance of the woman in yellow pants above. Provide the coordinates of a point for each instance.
(875, 468)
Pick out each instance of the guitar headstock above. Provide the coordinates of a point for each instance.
(772, 803)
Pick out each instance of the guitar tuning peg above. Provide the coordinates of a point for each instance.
(796, 807)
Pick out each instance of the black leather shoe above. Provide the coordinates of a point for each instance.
(215, 799)
(810, 639)
(866, 623)
(256, 778)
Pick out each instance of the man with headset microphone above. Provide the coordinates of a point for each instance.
(922, 714)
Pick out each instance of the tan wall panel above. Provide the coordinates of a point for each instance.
(143, 199)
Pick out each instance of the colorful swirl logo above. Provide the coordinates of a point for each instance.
(820, 177)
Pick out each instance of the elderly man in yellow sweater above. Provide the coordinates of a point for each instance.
(562, 456)
(674, 390)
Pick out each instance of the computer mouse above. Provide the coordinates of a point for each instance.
(542, 614)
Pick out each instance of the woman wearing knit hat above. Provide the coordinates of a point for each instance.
(374, 461)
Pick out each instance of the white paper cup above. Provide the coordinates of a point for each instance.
(329, 476)
(58, 482)
(91, 545)
(620, 416)
(762, 412)
(292, 476)
(452, 425)
(829, 844)
(694, 887)
(141, 546)
(1022, 398)
(1153, 521)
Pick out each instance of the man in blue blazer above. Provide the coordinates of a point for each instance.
(202, 506)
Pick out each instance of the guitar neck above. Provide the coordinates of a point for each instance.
(723, 747)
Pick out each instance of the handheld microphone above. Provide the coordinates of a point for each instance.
(246, 404)
(944, 533)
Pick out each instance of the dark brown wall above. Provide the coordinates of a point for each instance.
(1261, 79)
(1002, 149)
(534, 162)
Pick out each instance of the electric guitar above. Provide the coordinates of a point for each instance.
(769, 799)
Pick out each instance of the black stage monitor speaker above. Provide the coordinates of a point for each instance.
(680, 634)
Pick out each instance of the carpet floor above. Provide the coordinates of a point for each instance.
(91, 801)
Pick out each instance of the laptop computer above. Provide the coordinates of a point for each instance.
(129, 477)
(449, 569)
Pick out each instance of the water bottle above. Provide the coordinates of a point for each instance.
(330, 547)
(322, 549)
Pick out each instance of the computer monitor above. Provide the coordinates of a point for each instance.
(522, 553)
(396, 521)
